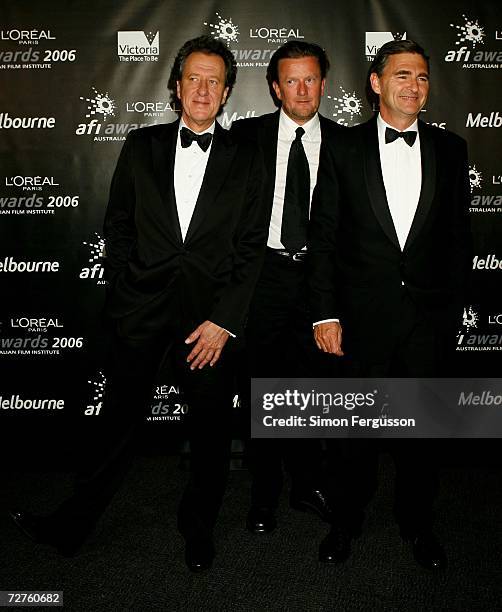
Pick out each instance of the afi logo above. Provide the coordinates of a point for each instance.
(470, 32)
(470, 318)
(95, 268)
(346, 107)
(475, 178)
(99, 108)
(98, 391)
(224, 29)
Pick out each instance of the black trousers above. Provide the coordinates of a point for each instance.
(280, 343)
(131, 373)
(418, 351)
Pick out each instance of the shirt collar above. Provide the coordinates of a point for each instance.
(289, 127)
(383, 124)
(209, 130)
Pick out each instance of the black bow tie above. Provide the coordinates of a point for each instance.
(408, 137)
(187, 137)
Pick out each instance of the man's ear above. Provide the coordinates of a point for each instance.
(277, 90)
(375, 82)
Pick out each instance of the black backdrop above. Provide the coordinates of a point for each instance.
(76, 76)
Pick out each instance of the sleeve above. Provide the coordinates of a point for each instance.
(460, 228)
(321, 245)
(250, 239)
(119, 227)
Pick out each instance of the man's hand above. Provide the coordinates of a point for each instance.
(328, 337)
(211, 339)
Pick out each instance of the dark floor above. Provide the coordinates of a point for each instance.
(134, 559)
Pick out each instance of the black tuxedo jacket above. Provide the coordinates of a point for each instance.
(264, 131)
(156, 278)
(357, 268)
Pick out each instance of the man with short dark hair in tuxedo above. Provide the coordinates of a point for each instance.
(185, 233)
(389, 249)
(279, 330)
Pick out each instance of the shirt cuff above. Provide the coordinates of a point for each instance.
(229, 333)
(325, 321)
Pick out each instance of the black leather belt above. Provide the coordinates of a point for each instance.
(299, 256)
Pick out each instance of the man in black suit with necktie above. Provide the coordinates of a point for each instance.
(389, 249)
(279, 330)
(185, 233)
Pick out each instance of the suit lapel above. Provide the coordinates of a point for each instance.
(163, 155)
(428, 162)
(267, 139)
(374, 181)
(323, 122)
(218, 166)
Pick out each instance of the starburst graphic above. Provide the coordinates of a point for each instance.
(98, 386)
(100, 104)
(348, 104)
(470, 318)
(475, 178)
(225, 29)
(471, 32)
(97, 248)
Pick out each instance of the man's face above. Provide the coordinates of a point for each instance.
(403, 88)
(300, 87)
(202, 89)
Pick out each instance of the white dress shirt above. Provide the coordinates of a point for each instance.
(189, 169)
(311, 141)
(402, 177)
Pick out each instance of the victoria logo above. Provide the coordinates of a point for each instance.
(475, 178)
(346, 107)
(375, 40)
(137, 43)
(100, 104)
(224, 29)
(470, 32)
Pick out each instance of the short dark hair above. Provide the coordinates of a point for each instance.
(295, 49)
(382, 57)
(210, 46)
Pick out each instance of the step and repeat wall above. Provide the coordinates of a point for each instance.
(77, 76)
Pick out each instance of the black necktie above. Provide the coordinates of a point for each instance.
(187, 137)
(295, 215)
(408, 137)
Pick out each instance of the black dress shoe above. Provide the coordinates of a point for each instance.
(335, 547)
(312, 500)
(261, 520)
(199, 554)
(427, 551)
(41, 529)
